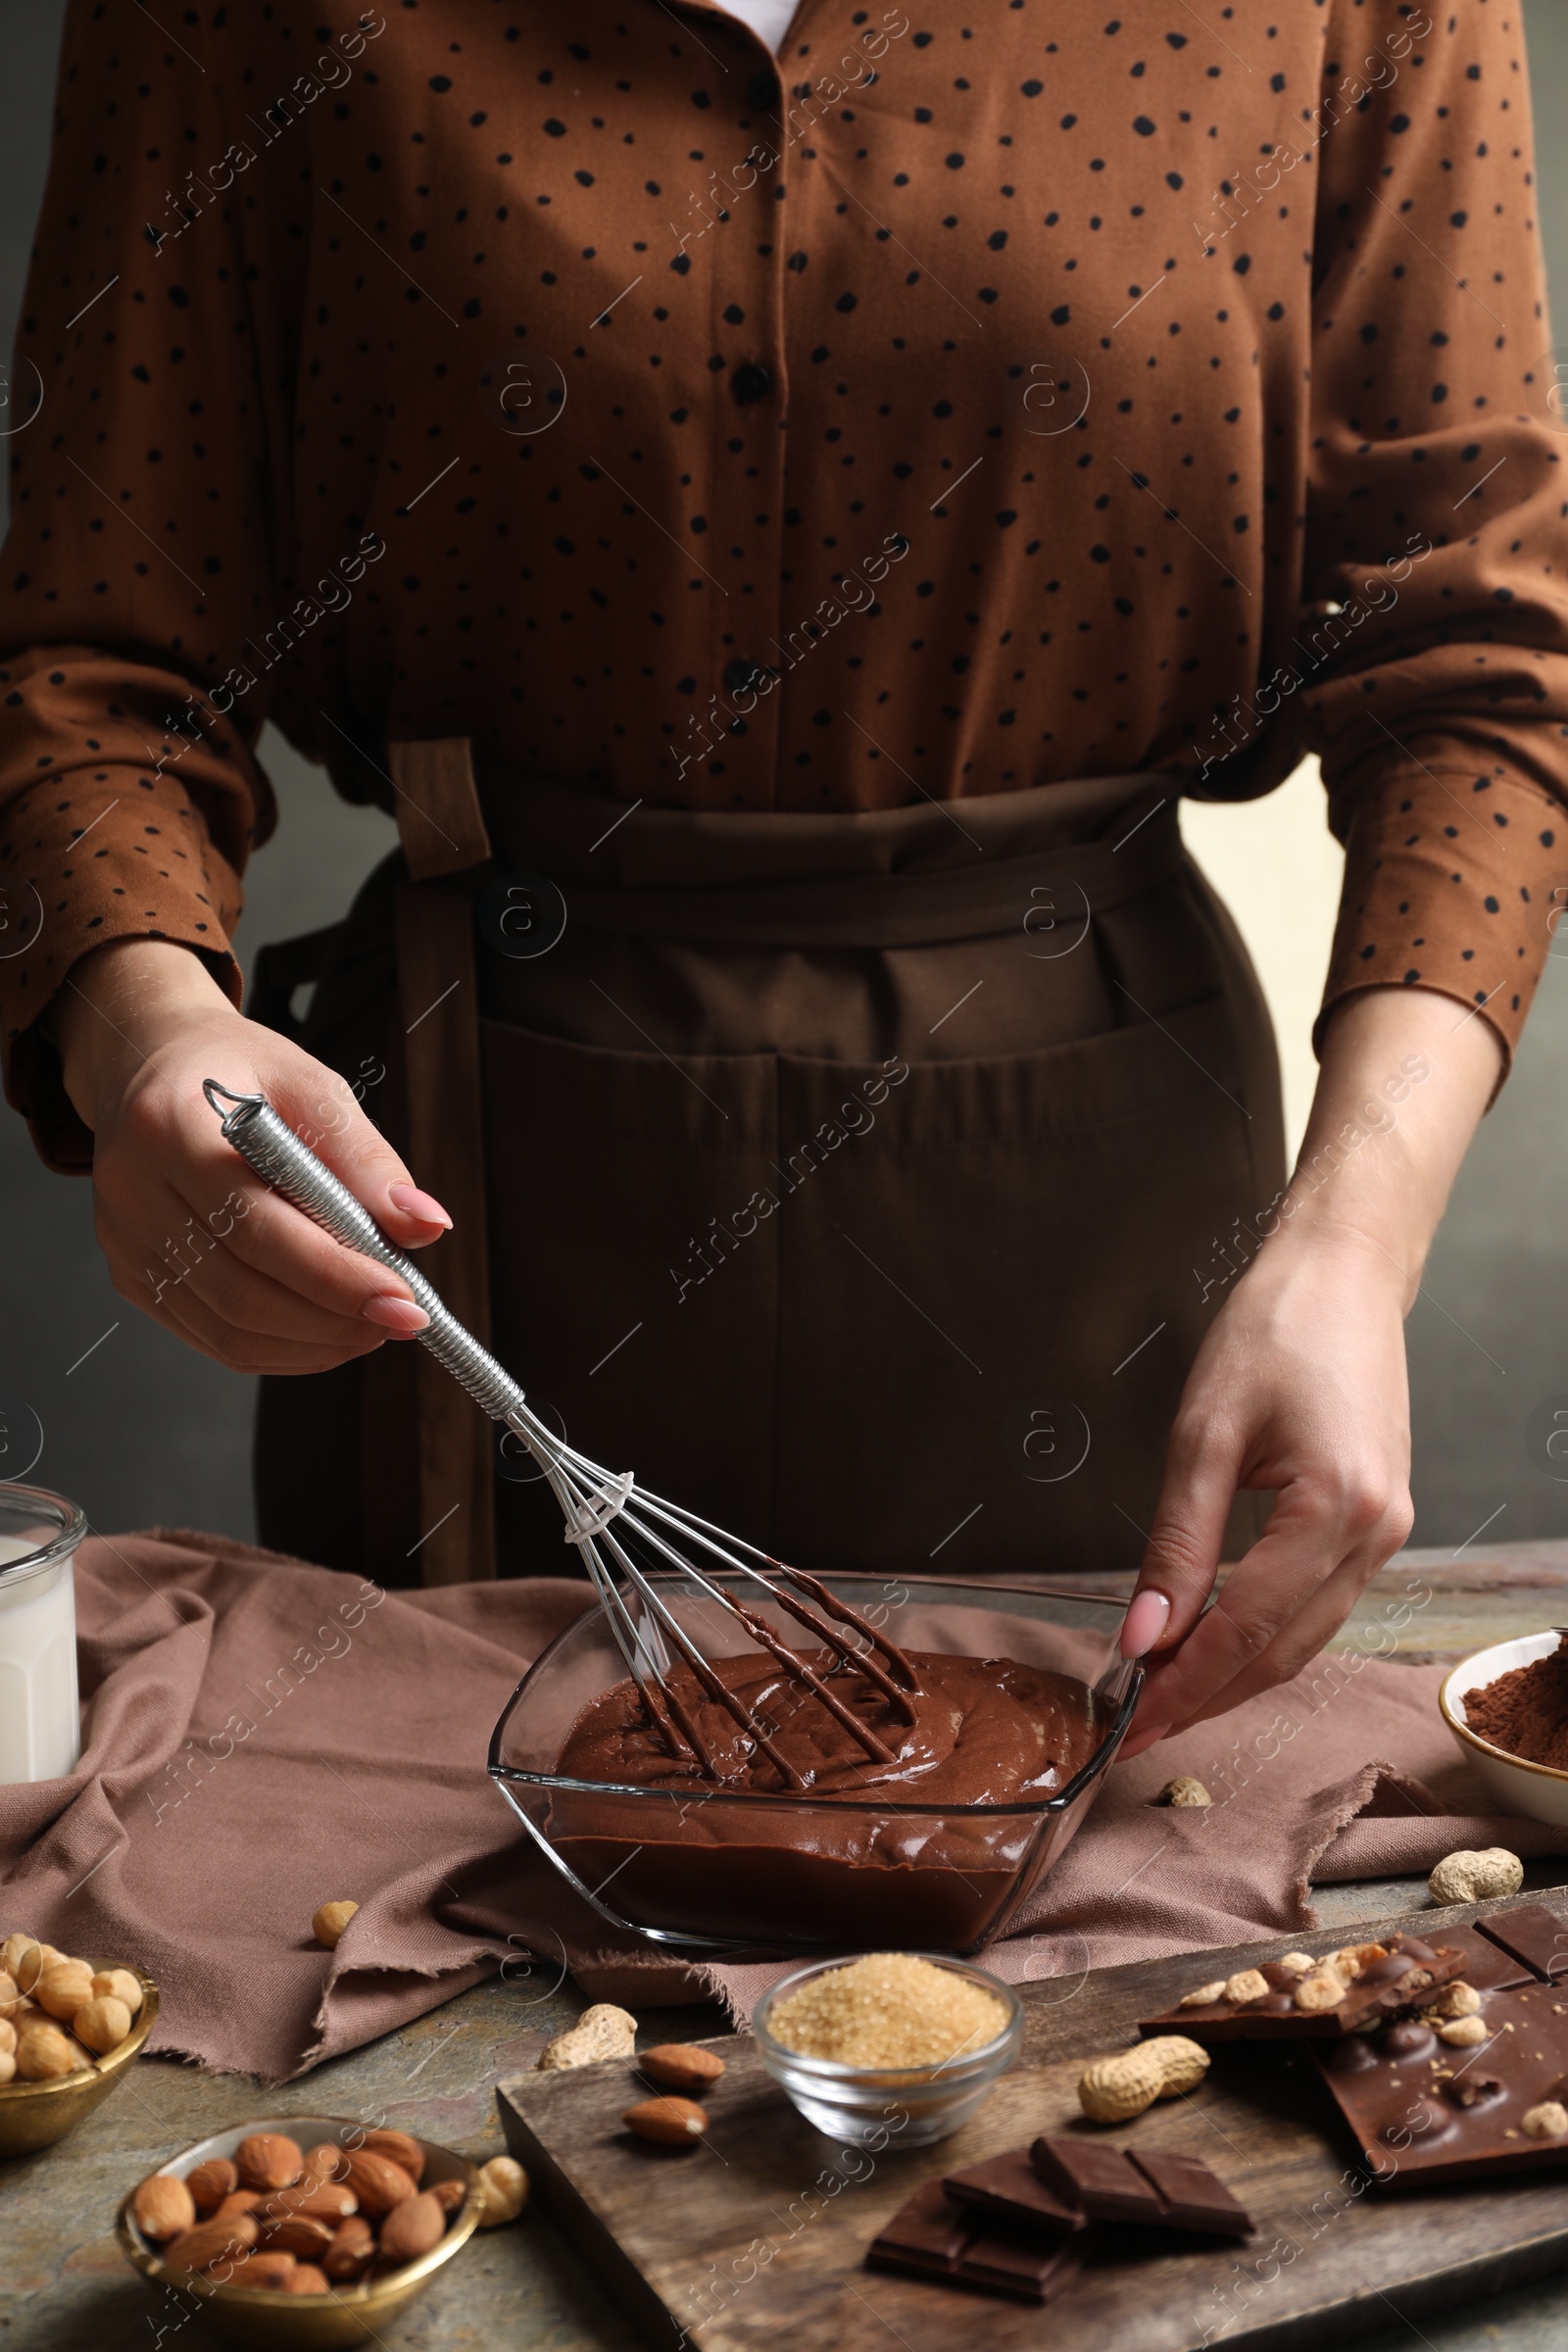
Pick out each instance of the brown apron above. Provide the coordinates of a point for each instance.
(860, 1180)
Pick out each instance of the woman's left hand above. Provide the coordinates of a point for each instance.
(1299, 1387)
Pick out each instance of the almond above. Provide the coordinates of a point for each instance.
(326, 2161)
(102, 2022)
(448, 2194)
(294, 2234)
(329, 2201)
(352, 2249)
(669, 2123)
(211, 2243)
(163, 2207)
(377, 2182)
(210, 2182)
(239, 2200)
(267, 2160)
(308, 2281)
(63, 1987)
(404, 2151)
(681, 2065)
(412, 2228)
(272, 2270)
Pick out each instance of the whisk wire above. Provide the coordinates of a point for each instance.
(606, 1512)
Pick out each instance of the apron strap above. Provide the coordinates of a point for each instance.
(443, 838)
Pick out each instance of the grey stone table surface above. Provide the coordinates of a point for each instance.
(65, 2287)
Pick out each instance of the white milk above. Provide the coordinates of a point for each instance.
(39, 1717)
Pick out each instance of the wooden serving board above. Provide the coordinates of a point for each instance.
(758, 2236)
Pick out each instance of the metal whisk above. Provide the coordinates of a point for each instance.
(605, 1512)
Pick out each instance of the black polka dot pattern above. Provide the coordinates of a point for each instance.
(954, 406)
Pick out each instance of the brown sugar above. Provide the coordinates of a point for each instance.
(889, 2009)
(1525, 1711)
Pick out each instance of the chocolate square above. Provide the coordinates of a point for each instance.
(1007, 2190)
(928, 2232)
(1531, 1934)
(1097, 2179)
(1194, 2198)
(1483, 1963)
(1008, 2265)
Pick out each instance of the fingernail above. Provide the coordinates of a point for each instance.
(1143, 1623)
(414, 1204)
(1145, 1737)
(396, 1314)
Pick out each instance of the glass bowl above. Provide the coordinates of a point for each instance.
(870, 2106)
(700, 1866)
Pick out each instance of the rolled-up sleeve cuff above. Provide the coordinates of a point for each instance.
(1455, 880)
(121, 855)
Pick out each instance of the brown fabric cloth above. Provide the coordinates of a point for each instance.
(200, 1849)
(918, 414)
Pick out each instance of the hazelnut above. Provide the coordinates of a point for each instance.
(9, 1996)
(1463, 2032)
(1203, 1996)
(331, 1920)
(503, 2191)
(63, 1987)
(8, 2066)
(1183, 1790)
(44, 2053)
(1548, 2121)
(101, 2022)
(1247, 1984)
(118, 1984)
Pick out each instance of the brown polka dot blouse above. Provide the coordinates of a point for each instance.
(975, 397)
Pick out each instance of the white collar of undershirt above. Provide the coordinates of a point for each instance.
(769, 19)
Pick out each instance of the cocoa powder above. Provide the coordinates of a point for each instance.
(1525, 1711)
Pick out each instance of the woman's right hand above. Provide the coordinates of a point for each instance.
(191, 1234)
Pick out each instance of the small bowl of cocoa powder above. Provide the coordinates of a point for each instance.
(1507, 1707)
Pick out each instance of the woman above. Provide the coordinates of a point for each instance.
(781, 540)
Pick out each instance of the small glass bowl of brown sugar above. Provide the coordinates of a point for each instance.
(895, 2049)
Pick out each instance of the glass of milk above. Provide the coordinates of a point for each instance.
(40, 1719)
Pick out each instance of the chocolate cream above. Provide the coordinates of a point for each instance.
(788, 1867)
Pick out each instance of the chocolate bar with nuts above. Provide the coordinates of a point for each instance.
(1438, 2097)
(1304, 1996)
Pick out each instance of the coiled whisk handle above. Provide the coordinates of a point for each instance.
(291, 1168)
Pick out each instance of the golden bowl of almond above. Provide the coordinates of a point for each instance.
(308, 2230)
(69, 2028)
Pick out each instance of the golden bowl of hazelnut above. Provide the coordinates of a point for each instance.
(69, 2028)
(308, 2229)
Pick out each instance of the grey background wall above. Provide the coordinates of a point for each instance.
(99, 1403)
